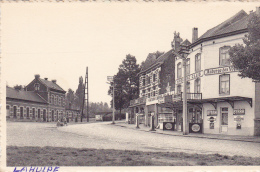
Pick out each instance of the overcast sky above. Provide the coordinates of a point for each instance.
(59, 40)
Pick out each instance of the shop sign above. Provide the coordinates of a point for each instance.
(238, 125)
(212, 119)
(211, 125)
(238, 118)
(195, 127)
(212, 113)
(220, 70)
(190, 77)
(239, 112)
(168, 125)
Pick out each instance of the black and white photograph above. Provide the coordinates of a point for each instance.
(130, 86)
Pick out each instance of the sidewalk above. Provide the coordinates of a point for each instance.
(178, 133)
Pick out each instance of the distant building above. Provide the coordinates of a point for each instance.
(40, 100)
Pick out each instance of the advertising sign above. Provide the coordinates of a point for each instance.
(238, 118)
(239, 112)
(211, 125)
(212, 119)
(110, 78)
(168, 126)
(195, 127)
(212, 113)
(190, 77)
(238, 125)
(220, 70)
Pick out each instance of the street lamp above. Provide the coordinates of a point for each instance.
(110, 80)
(184, 53)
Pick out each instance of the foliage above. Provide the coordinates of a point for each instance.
(80, 93)
(246, 58)
(126, 83)
(98, 107)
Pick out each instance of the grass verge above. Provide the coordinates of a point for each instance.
(57, 156)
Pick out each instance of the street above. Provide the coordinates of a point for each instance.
(107, 136)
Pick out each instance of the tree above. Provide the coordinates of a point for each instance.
(126, 83)
(246, 58)
(70, 99)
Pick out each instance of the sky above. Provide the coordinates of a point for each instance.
(59, 40)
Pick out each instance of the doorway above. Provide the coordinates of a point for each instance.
(224, 120)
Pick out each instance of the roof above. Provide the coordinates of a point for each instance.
(51, 84)
(152, 61)
(23, 95)
(237, 22)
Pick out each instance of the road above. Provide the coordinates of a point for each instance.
(107, 136)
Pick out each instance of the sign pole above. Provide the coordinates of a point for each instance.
(185, 121)
(113, 120)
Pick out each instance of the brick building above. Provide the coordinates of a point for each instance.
(40, 100)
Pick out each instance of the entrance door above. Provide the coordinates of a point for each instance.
(15, 111)
(21, 112)
(52, 115)
(224, 120)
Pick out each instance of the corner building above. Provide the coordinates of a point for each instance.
(228, 104)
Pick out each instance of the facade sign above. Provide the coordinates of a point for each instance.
(212, 119)
(220, 70)
(238, 125)
(212, 113)
(239, 112)
(238, 118)
(195, 127)
(190, 77)
(211, 125)
(110, 78)
(168, 126)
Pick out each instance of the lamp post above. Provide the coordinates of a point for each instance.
(184, 53)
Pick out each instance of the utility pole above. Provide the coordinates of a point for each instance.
(185, 121)
(113, 120)
(84, 97)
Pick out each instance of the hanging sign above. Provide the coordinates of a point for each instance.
(110, 78)
(239, 112)
(212, 113)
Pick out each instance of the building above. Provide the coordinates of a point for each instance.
(156, 80)
(218, 100)
(40, 100)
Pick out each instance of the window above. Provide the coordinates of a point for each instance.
(55, 100)
(188, 66)
(148, 80)
(36, 86)
(27, 112)
(224, 82)
(21, 112)
(197, 86)
(154, 77)
(224, 58)
(15, 111)
(197, 62)
(143, 82)
(149, 90)
(59, 100)
(154, 88)
(179, 70)
(179, 89)
(33, 112)
(188, 87)
(52, 99)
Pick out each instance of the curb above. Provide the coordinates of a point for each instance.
(241, 140)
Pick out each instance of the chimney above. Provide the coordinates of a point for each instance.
(54, 81)
(194, 34)
(46, 79)
(257, 11)
(176, 41)
(18, 87)
(37, 76)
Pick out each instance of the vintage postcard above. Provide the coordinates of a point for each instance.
(130, 86)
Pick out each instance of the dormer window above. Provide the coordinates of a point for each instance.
(224, 58)
(36, 86)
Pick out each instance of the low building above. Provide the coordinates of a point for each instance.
(40, 100)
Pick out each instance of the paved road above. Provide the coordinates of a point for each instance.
(107, 136)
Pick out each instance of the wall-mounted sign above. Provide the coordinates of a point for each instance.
(190, 77)
(168, 126)
(212, 113)
(238, 118)
(239, 112)
(238, 125)
(220, 70)
(212, 119)
(211, 125)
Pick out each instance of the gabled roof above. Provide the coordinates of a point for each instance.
(236, 23)
(23, 95)
(51, 84)
(150, 62)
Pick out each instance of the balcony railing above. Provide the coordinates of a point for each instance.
(190, 96)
